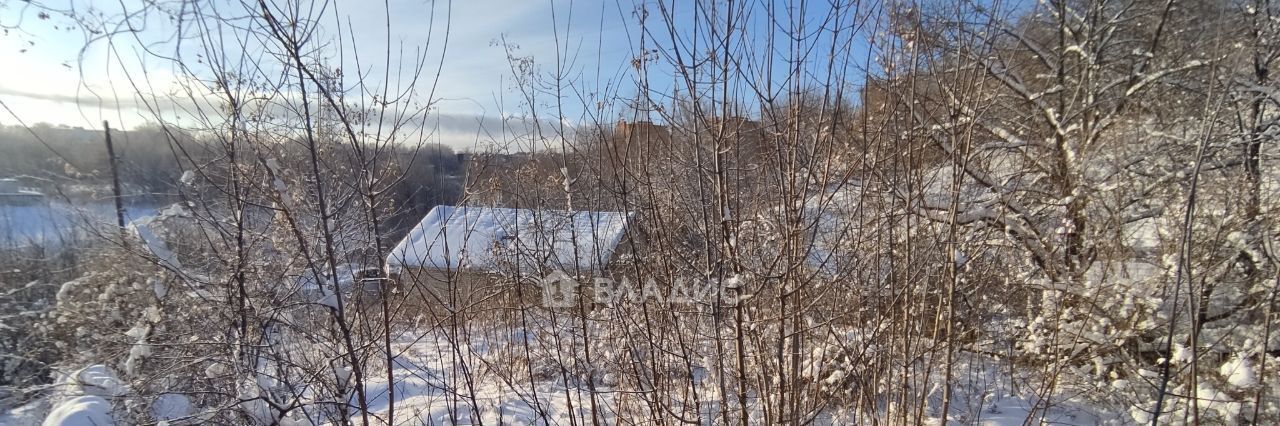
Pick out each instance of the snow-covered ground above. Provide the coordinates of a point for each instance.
(431, 389)
(55, 223)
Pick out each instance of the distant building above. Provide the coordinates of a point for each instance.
(13, 193)
(640, 136)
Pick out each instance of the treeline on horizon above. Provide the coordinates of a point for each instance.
(72, 162)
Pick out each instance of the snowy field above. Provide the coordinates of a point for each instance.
(57, 223)
(438, 382)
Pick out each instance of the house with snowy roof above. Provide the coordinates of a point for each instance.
(467, 250)
(12, 193)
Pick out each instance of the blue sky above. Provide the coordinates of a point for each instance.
(49, 78)
(53, 77)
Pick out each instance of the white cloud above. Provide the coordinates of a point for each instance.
(61, 84)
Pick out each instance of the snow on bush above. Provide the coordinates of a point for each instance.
(81, 411)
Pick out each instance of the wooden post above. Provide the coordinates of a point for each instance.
(115, 177)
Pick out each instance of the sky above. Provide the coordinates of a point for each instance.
(59, 73)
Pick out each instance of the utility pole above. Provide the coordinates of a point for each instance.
(115, 177)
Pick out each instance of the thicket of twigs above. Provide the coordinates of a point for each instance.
(908, 211)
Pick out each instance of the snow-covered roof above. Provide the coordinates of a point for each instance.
(493, 239)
